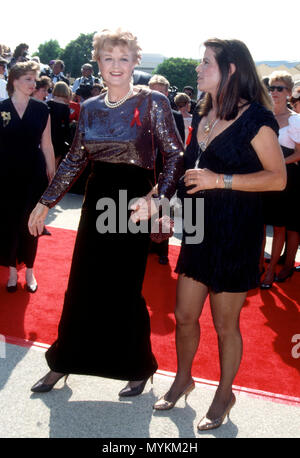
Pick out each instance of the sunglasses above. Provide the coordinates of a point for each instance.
(277, 88)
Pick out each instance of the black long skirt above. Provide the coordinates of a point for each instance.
(105, 327)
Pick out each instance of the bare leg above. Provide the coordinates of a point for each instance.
(226, 308)
(292, 247)
(190, 299)
(262, 255)
(277, 245)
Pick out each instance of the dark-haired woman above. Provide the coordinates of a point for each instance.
(233, 155)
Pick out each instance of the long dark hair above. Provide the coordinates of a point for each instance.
(243, 84)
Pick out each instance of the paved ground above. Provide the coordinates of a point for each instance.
(89, 407)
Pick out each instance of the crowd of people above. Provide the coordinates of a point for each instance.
(236, 148)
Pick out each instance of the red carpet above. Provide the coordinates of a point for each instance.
(269, 319)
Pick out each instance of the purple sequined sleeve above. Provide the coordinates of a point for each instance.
(169, 143)
(69, 169)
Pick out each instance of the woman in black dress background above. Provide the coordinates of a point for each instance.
(233, 155)
(60, 120)
(105, 326)
(281, 208)
(26, 158)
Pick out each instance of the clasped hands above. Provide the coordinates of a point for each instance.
(144, 208)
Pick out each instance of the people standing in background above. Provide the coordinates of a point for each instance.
(42, 86)
(183, 103)
(60, 120)
(57, 74)
(3, 83)
(281, 208)
(161, 84)
(189, 90)
(20, 55)
(295, 100)
(87, 78)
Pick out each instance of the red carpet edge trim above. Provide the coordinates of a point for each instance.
(274, 397)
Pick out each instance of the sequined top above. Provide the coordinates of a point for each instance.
(122, 135)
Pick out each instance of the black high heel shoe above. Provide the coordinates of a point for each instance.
(31, 289)
(41, 387)
(135, 390)
(289, 273)
(12, 288)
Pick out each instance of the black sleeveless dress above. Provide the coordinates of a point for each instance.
(227, 259)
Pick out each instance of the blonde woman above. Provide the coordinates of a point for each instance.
(280, 208)
(26, 158)
(105, 327)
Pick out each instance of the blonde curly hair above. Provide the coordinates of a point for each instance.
(282, 75)
(107, 39)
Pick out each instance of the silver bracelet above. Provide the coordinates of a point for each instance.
(227, 181)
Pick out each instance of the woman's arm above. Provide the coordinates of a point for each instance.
(271, 178)
(295, 157)
(68, 171)
(47, 148)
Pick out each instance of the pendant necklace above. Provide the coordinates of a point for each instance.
(208, 128)
(118, 102)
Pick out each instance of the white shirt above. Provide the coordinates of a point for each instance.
(3, 91)
(290, 134)
(78, 81)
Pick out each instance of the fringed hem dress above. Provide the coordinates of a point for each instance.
(227, 259)
(105, 326)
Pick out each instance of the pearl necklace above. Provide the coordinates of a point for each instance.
(118, 102)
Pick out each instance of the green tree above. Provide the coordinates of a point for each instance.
(179, 71)
(77, 53)
(48, 51)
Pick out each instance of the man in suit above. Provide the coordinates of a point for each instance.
(161, 84)
(57, 72)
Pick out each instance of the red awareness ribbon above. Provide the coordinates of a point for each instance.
(136, 118)
(188, 140)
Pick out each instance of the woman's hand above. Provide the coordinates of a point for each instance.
(143, 209)
(201, 179)
(50, 170)
(37, 218)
